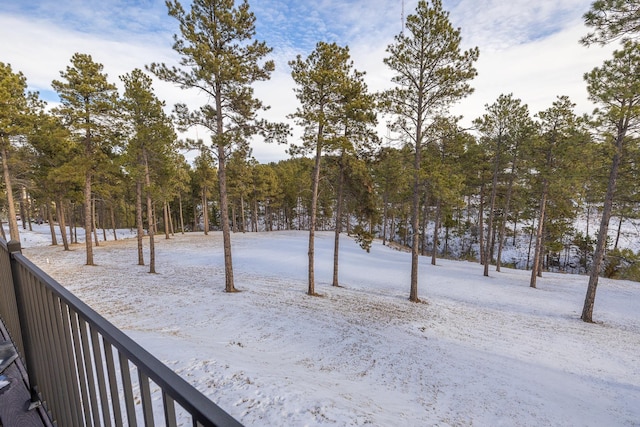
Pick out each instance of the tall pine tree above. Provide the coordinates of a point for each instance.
(88, 108)
(615, 88)
(431, 73)
(219, 59)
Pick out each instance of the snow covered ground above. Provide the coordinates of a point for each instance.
(479, 351)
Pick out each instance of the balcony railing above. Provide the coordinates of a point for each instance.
(81, 368)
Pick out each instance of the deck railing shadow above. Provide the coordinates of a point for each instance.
(81, 368)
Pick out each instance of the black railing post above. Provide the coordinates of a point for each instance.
(13, 247)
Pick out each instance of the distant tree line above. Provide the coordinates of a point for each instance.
(104, 160)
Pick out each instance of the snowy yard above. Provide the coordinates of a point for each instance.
(479, 351)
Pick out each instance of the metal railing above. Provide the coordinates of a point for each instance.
(84, 370)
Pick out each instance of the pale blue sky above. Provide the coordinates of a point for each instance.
(528, 48)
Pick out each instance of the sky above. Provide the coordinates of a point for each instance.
(529, 49)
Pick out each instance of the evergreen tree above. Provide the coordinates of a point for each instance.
(557, 152)
(615, 87)
(390, 170)
(355, 139)
(52, 147)
(219, 59)
(431, 73)
(322, 79)
(612, 20)
(502, 127)
(149, 149)
(17, 106)
(88, 105)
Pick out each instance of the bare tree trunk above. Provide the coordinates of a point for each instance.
(224, 219)
(139, 224)
(205, 211)
(165, 212)
(13, 222)
(234, 224)
(181, 215)
(503, 224)
(24, 214)
(112, 214)
(385, 211)
(52, 228)
(415, 218)
(537, 251)
(338, 225)
(590, 297)
(615, 245)
(436, 224)
(425, 222)
(492, 207)
(93, 221)
(242, 216)
(481, 226)
(314, 206)
(150, 215)
(171, 229)
(63, 228)
(87, 218)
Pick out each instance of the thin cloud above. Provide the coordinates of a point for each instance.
(527, 48)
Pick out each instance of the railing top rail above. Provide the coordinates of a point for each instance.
(206, 412)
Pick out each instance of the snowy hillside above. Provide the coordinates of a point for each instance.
(480, 351)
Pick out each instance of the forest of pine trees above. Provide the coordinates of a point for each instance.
(104, 160)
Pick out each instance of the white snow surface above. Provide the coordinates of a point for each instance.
(482, 351)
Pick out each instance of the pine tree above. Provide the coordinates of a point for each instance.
(502, 127)
(321, 79)
(615, 87)
(219, 59)
(431, 73)
(149, 149)
(15, 118)
(556, 156)
(612, 20)
(88, 105)
(52, 147)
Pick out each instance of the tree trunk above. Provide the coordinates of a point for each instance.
(338, 225)
(52, 228)
(181, 215)
(492, 207)
(503, 223)
(60, 212)
(205, 211)
(13, 222)
(150, 216)
(171, 229)
(242, 216)
(598, 256)
(139, 224)
(385, 212)
(165, 212)
(615, 245)
(425, 222)
(94, 222)
(224, 219)
(535, 268)
(87, 217)
(314, 204)
(234, 224)
(113, 222)
(481, 226)
(436, 224)
(415, 218)
(24, 214)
